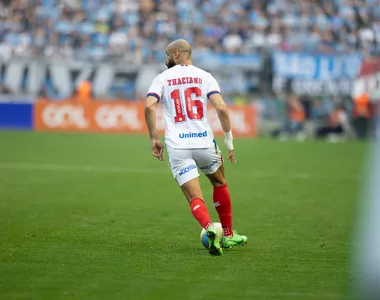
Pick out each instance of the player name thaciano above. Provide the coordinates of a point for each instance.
(184, 80)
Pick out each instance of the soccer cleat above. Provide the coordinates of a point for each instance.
(214, 247)
(236, 239)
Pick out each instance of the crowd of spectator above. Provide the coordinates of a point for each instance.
(139, 30)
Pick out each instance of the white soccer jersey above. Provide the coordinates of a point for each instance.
(183, 91)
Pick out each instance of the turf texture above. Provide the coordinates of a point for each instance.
(97, 217)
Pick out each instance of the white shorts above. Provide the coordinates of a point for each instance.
(184, 163)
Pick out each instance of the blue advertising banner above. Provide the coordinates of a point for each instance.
(16, 116)
(306, 66)
(249, 61)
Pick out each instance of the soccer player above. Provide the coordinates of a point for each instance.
(183, 90)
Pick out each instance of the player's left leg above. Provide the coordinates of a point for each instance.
(211, 164)
(193, 194)
(185, 172)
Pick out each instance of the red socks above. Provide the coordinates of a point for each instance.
(200, 212)
(222, 203)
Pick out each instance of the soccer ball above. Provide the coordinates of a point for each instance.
(204, 238)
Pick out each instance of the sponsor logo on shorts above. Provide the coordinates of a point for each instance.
(187, 169)
(213, 163)
(189, 135)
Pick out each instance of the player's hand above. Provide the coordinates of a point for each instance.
(157, 149)
(231, 156)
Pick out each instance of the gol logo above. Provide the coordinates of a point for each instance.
(64, 116)
(117, 117)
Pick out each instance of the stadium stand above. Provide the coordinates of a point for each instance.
(335, 35)
(139, 30)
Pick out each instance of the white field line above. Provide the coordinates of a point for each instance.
(25, 166)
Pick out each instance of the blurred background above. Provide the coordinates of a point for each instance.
(309, 69)
(72, 206)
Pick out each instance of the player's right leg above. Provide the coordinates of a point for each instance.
(222, 203)
(185, 172)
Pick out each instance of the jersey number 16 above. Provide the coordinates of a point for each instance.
(189, 103)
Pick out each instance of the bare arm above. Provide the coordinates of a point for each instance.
(224, 118)
(221, 109)
(150, 118)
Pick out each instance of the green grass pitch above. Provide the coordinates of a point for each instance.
(97, 217)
